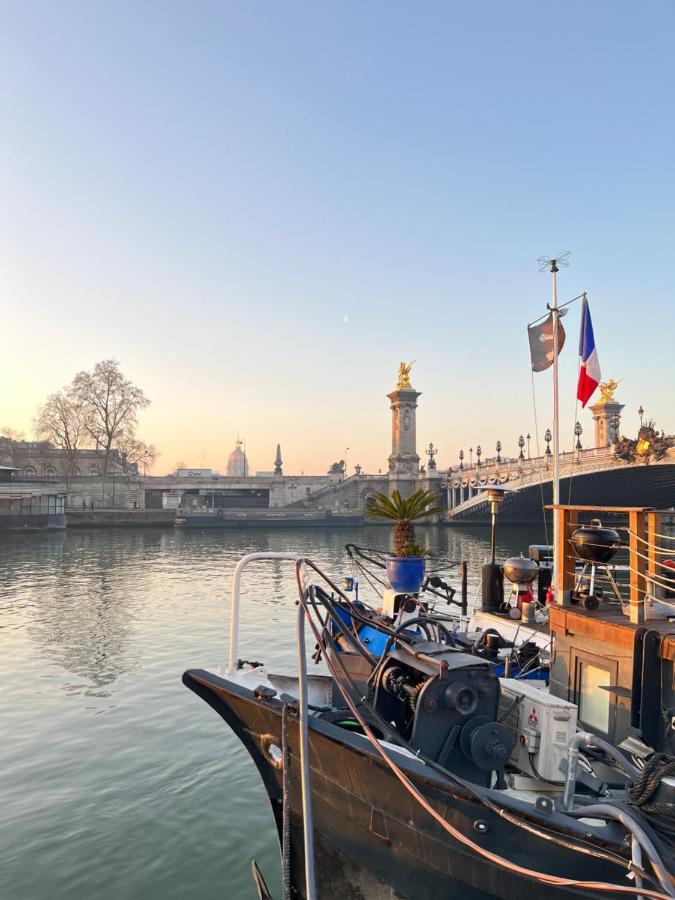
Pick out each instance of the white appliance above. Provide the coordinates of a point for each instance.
(542, 726)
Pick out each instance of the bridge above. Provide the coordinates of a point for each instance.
(587, 477)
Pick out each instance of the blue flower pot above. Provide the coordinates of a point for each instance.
(406, 573)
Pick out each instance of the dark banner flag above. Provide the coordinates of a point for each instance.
(541, 343)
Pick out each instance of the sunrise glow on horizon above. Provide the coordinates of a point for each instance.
(261, 211)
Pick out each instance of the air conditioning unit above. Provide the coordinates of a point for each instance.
(542, 726)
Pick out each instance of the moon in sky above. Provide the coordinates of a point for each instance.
(346, 320)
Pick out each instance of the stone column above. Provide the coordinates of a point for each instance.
(603, 413)
(403, 461)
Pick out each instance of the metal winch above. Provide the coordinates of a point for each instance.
(445, 703)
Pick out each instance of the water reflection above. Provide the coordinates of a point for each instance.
(117, 779)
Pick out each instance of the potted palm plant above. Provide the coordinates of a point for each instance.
(405, 569)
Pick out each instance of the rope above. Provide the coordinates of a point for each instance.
(656, 549)
(661, 816)
(447, 826)
(461, 838)
(285, 807)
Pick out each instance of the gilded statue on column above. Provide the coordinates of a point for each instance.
(404, 376)
(607, 389)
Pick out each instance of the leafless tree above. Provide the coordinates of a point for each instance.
(134, 452)
(110, 403)
(61, 421)
(9, 452)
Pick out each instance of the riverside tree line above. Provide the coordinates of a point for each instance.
(97, 410)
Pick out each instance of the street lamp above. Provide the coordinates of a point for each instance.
(346, 448)
(499, 450)
(471, 457)
(521, 444)
(578, 431)
(528, 446)
(461, 459)
(478, 454)
(641, 413)
(548, 437)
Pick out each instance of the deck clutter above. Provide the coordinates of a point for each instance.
(444, 752)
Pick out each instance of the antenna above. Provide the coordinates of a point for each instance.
(553, 264)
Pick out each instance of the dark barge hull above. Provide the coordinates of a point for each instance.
(373, 840)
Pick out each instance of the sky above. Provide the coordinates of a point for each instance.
(261, 209)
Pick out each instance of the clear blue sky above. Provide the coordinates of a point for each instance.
(260, 209)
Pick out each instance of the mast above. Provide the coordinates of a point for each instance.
(553, 266)
(556, 422)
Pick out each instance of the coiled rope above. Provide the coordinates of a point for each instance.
(661, 816)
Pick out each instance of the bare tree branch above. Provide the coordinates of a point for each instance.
(110, 403)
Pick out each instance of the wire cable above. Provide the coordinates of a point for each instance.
(454, 832)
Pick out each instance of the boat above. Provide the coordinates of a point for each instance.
(419, 772)
(425, 760)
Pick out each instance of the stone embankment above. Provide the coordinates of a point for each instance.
(91, 518)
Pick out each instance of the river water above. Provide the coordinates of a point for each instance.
(116, 782)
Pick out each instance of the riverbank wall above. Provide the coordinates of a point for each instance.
(94, 518)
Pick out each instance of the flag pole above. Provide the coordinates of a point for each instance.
(556, 423)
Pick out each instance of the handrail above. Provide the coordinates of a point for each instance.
(236, 587)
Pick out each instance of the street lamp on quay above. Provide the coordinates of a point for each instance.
(528, 446)
(478, 455)
(471, 457)
(461, 459)
(521, 455)
(548, 437)
(346, 448)
(499, 450)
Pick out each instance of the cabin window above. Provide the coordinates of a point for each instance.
(597, 705)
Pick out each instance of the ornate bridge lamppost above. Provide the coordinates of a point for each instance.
(471, 457)
(498, 448)
(528, 446)
(578, 431)
(478, 455)
(548, 437)
(521, 455)
(461, 459)
(641, 413)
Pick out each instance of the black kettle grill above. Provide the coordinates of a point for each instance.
(594, 543)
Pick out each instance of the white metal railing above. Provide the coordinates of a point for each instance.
(236, 589)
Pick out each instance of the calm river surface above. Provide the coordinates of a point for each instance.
(117, 782)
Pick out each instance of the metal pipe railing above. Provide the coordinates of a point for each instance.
(236, 588)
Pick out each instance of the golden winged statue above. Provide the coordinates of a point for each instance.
(607, 389)
(404, 375)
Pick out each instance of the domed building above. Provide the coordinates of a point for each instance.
(237, 464)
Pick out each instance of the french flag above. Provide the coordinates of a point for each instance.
(589, 373)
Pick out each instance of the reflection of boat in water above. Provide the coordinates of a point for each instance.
(413, 769)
